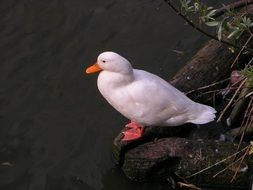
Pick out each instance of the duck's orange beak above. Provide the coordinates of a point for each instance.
(93, 69)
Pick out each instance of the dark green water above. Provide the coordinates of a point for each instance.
(56, 130)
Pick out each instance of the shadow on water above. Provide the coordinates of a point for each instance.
(56, 129)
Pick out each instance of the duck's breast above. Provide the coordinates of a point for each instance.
(115, 89)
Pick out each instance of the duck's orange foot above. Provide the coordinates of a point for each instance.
(133, 131)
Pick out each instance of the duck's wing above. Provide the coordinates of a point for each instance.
(157, 99)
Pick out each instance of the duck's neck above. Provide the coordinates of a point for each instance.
(107, 79)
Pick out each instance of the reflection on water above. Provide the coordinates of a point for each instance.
(56, 129)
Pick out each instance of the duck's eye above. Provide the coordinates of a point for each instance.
(103, 61)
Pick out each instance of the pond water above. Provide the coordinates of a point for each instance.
(56, 130)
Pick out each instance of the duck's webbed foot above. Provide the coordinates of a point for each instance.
(133, 131)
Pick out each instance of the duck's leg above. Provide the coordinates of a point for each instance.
(133, 131)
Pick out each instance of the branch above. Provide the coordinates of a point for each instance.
(236, 5)
(202, 31)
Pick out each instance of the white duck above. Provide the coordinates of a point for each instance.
(144, 98)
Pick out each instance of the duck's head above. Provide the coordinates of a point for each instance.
(110, 61)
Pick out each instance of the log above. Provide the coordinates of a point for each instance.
(183, 157)
(210, 64)
(150, 133)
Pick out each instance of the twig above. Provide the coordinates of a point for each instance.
(218, 90)
(250, 62)
(246, 124)
(239, 105)
(211, 91)
(214, 102)
(235, 5)
(238, 167)
(230, 102)
(244, 46)
(223, 170)
(202, 31)
(188, 186)
(207, 86)
(217, 163)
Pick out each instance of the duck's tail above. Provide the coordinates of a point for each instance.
(202, 114)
